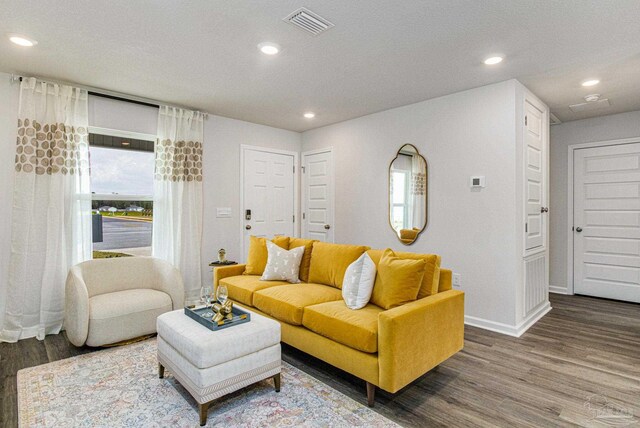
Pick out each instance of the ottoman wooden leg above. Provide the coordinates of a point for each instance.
(204, 409)
(276, 382)
(160, 371)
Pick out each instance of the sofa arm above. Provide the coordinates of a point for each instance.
(225, 272)
(76, 317)
(414, 338)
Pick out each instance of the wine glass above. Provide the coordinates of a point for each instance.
(207, 293)
(203, 295)
(222, 294)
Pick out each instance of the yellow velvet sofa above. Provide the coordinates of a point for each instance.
(387, 348)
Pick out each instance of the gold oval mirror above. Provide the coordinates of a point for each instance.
(408, 194)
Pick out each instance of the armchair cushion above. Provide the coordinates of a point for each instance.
(125, 314)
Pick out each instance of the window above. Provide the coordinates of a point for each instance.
(399, 212)
(122, 195)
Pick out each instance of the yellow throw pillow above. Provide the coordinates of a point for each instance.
(306, 258)
(329, 262)
(431, 279)
(400, 280)
(257, 257)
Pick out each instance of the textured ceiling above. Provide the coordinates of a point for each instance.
(380, 54)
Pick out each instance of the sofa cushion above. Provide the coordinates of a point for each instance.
(125, 314)
(400, 280)
(287, 302)
(355, 329)
(431, 277)
(242, 287)
(306, 258)
(257, 256)
(329, 262)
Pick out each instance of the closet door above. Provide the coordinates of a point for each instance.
(535, 177)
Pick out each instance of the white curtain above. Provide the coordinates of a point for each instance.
(177, 200)
(418, 192)
(51, 226)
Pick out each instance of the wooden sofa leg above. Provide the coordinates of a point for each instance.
(160, 371)
(371, 394)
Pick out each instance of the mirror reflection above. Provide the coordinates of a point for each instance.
(408, 194)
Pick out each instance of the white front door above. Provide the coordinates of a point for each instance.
(317, 195)
(606, 221)
(534, 176)
(268, 195)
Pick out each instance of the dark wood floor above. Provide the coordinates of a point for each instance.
(579, 361)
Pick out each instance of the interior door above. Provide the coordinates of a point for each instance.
(317, 198)
(534, 156)
(268, 195)
(606, 223)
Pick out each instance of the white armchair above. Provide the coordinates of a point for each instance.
(110, 300)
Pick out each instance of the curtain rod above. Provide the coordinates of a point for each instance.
(111, 95)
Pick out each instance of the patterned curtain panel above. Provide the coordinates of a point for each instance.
(51, 227)
(177, 200)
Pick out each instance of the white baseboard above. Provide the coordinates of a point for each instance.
(510, 330)
(558, 290)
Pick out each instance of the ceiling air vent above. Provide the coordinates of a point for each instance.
(601, 104)
(308, 21)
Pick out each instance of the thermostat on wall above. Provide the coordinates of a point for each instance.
(477, 181)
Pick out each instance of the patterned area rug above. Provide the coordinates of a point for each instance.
(120, 388)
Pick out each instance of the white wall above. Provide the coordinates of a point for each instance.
(221, 166)
(8, 132)
(613, 127)
(464, 134)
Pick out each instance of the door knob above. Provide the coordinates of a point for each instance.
(544, 209)
(248, 227)
(578, 229)
(326, 226)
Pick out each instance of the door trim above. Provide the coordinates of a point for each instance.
(303, 207)
(570, 157)
(296, 190)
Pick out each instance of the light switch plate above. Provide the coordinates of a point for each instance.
(223, 212)
(457, 280)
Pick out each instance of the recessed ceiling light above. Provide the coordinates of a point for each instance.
(309, 115)
(268, 48)
(22, 40)
(590, 82)
(493, 60)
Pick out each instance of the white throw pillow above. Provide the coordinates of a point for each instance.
(358, 282)
(282, 265)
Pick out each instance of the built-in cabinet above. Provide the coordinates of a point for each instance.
(532, 137)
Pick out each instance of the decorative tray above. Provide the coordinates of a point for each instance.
(196, 313)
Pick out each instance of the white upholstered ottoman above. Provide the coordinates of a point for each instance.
(210, 364)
